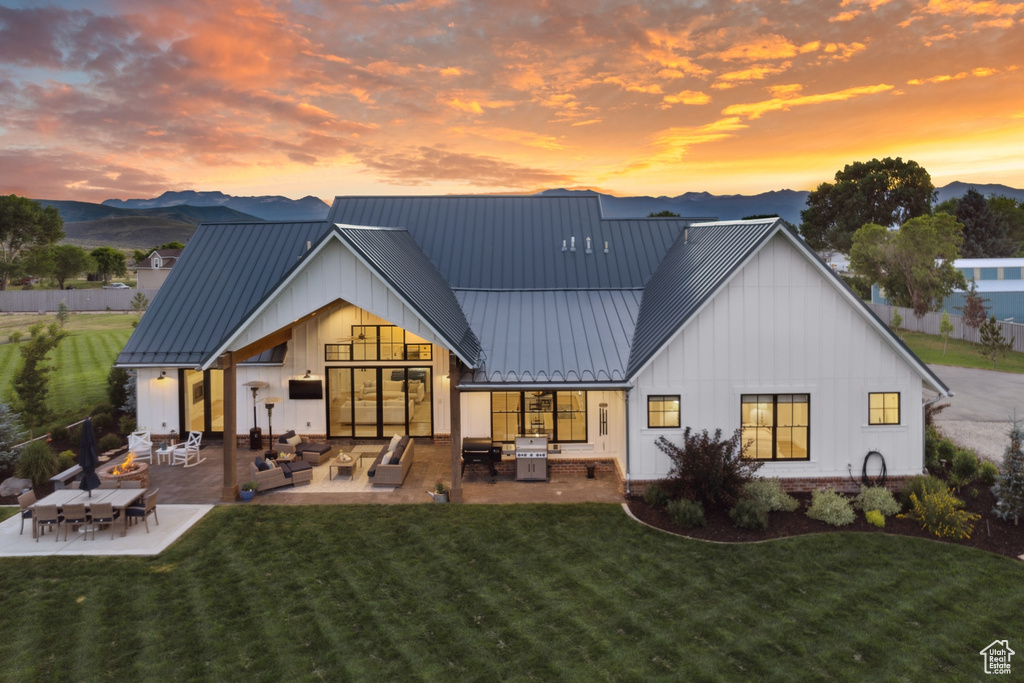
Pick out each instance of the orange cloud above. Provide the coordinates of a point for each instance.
(771, 46)
(844, 16)
(968, 7)
(755, 110)
(687, 97)
(980, 72)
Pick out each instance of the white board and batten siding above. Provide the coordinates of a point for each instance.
(780, 326)
(157, 400)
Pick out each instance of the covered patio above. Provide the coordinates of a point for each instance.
(203, 484)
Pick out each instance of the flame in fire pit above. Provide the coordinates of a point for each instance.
(127, 466)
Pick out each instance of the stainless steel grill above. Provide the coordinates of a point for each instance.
(531, 458)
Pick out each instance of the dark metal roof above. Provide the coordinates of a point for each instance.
(222, 275)
(691, 271)
(396, 257)
(564, 336)
(486, 242)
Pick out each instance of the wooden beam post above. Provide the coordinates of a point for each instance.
(454, 367)
(229, 493)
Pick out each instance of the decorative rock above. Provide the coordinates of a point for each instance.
(14, 486)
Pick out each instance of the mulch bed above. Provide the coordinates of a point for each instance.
(990, 532)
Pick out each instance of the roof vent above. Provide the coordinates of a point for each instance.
(606, 246)
(309, 245)
(563, 245)
(572, 244)
(589, 250)
(686, 235)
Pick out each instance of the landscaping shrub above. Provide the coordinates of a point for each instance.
(59, 433)
(37, 462)
(831, 507)
(941, 514)
(101, 409)
(10, 434)
(947, 450)
(707, 468)
(127, 425)
(965, 468)
(686, 513)
(876, 518)
(16, 337)
(103, 422)
(66, 459)
(749, 514)
(988, 472)
(656, 496)
(769, 495)
(1009, 487)
(931, 449)
(921, 485)
(117, 378)
(110, 442)
(876, 498)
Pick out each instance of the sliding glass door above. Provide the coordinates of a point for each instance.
(375, 402)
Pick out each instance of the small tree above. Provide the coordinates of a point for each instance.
(1009, 488)
(117, 387)
(69, 261)
(31, 381)
(707, 468)
(897, 321)
(993, 344)
(63, 311)
(109, 262)
(973, 312)
(10, 434)
(140, 303)
(945, 329)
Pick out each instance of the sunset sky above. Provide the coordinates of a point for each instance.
(128, 99)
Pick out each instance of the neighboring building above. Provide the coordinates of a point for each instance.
(535, 314)
(998, 280)
(153, 270)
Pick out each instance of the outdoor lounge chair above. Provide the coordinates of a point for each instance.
(46, 516)
(141, 445)
(103, 514)
(145, 509)
(187, 454)
(73, 515)
(25, 501)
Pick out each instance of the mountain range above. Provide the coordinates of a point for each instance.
(143, 223)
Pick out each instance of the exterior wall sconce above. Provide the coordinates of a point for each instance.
(307, 375)
(163, 375)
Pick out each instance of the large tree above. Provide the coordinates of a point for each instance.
(887, 192)
(914, 265)
(985, 230)
(1012, 211)
(69, 261)
(25, 226)
(109, 262)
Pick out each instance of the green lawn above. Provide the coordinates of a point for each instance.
(82, 360)
(928, 348)
(529, 592)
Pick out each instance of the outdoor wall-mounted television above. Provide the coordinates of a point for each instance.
(305, 389)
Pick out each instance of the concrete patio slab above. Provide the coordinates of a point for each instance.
(175, 520)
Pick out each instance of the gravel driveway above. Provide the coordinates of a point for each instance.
(982, 409)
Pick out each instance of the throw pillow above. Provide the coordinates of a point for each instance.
(261, 465)
(386, 460)
(293, 440)
(287, 435)
(394, 442)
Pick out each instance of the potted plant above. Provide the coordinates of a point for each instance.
(249, 490)
(440, 492)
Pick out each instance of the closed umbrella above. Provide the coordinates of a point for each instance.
(88, 458)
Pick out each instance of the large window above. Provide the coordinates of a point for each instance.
(775, 426)
(379, 342)
(884, 408)
(663, 411)
(562, 415)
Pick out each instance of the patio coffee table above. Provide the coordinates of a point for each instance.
(341, 466)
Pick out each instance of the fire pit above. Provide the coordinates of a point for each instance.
(128, 470)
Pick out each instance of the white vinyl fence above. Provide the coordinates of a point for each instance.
(929, 324)
(47, 300)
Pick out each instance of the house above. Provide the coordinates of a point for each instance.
(453, 317)
(152, 271)
(998, 280)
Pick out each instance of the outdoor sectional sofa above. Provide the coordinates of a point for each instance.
(313, 453)
(392, 473)
(280, 474)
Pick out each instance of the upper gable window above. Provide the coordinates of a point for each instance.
(884, 408)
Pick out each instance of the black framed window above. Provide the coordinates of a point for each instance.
(884, 408)
(337, 352)
(776, 426)
(663, 411)
(562, 415)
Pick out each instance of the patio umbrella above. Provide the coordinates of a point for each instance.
(88, 458)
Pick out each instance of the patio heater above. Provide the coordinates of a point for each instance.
(270, 401)
(255, 434)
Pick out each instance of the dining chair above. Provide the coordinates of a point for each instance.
(25, 501)
(109, 484)
(73, 515)
(144, 509)
(131, 484)
(141, 445)
(47, 516)
(101, 514)
(189, 451)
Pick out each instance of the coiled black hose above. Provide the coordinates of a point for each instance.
(864, 471)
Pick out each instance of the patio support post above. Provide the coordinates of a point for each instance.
(456, 426)
(229, 493)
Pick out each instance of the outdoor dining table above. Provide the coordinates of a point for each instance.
(118, 498)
